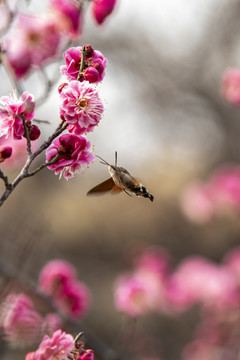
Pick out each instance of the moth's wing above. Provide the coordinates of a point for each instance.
(105, 186)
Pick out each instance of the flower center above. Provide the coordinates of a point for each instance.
(33, 37)
(82, 103)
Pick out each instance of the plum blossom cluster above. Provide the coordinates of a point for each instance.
(61, 346)
(154, 286)
(220, 195)
(80, 109)
(36, 39)
(21, 324)
(70, 296)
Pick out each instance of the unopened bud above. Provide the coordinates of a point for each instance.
(91, 74)
(88, 50)
(5, 152)
(34, 132)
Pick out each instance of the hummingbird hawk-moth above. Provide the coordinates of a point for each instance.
(120, 180)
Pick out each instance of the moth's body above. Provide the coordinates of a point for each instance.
(121, 180)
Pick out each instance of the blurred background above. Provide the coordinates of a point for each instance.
(167, 119)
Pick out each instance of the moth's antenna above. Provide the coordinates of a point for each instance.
(103, 161)
(115, 158)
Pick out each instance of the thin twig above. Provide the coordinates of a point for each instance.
(5, 179)
(29, 150)
(24, 173)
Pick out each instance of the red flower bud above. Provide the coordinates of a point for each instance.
(5, 152)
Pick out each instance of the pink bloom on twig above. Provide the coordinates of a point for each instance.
(73, 152)
(101, 9)
(68, 17)
(34, 40)
(12, 110)
(56, 348)
(80, 106)
(94, 65)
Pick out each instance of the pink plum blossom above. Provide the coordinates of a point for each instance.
(94, 64)
(199, 280)
(231, 86)
(12, 110)
(72, 151)
(54, 275)
(136, 295)
(58, 280)
(101, 9)
(80, 106)
(33, 40)
(21, 324)
(73, 299)
(68, 17)
(57, 347)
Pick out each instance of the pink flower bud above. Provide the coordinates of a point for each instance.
(5, 152)
(34, 132)
(89, 50)
(91, 74)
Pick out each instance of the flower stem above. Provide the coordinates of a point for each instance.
(82, 67)
(24, 173)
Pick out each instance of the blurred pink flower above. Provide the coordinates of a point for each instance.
(73, 299)
(95, 64)
(231, 86)
(136, 295)
(199, 280)
(33, 40)
(54, 275)
(101, 9)
(80, 106)
(12, 110)
(197, 202)
(154, 259)
(73, 152)
(56, 348)
(21, 324)
(68, 17)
